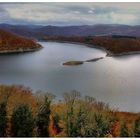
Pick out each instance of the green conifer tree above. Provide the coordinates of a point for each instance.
(3, 119)
(100, 128)
(22, 121)
(43, 119)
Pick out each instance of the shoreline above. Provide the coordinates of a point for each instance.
(78, 43)
(108, 53)
(21, 50)
(124, 54)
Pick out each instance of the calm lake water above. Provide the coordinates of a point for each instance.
(114, 80)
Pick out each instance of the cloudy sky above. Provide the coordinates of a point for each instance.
(70, 13)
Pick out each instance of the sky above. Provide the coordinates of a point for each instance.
(65, 14)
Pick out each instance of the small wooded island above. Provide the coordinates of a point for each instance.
(73, 63)
(114, 44)
(12, 43)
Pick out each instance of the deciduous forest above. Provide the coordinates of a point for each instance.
(24, 113)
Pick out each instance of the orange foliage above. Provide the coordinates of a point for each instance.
(115, 130)
(52, 129)
(15, 95)
(11, 41)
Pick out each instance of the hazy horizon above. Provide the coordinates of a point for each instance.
(12, 24)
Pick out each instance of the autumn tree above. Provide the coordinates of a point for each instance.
(137, 127)
(124, 132)
(3, 119)
(70, 99)
(115, 129)
(56, 120)
(43, 119)
(22, 121)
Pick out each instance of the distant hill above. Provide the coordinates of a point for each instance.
(10, 42)
(38, 31)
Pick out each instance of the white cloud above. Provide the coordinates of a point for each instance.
(123, 18)
(74, 13)
(90, 11)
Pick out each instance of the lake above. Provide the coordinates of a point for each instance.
(114, 80)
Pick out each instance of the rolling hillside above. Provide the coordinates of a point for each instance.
(39, 31)
(10, 42)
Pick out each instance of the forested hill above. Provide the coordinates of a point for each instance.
(10, 42)
(114, 45)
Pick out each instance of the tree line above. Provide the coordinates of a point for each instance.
(73, 116)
